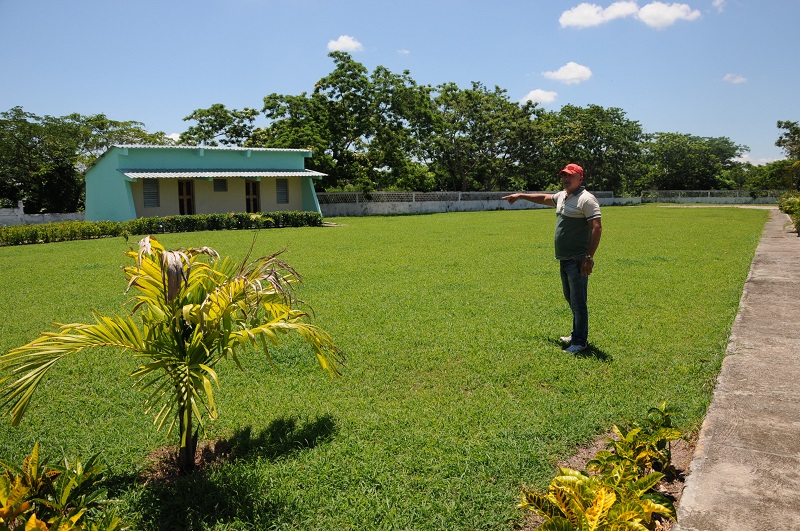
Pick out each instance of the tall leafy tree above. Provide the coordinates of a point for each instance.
(43, 159)
(343, 101)
(776, 175)
(220, 125)
(38, 158)
(789, 140)
(678, 161)
(366, 131)
(480, 138)
(402, 112)
(603, 141)
(96, 133)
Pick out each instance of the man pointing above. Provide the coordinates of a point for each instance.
(577, 237)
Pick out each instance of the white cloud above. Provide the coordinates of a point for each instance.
(755, 161)
(655, 14)
(659, 15)
(719, 4)
(586, 15)
(403, 52)
(174, 136)
(571, 73)
(734, 79)
(345, 43)
(540, 96)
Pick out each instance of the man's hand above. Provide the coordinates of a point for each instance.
(586, 266)
(512, 198)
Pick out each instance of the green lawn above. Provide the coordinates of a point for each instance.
(455, 393)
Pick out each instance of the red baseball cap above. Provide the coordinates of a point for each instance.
(572, 169)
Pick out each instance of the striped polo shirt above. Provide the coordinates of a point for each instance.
(573, 213)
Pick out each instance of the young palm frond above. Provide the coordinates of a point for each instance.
(194, 311)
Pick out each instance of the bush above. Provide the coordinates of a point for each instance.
(39, 496)
(84, 230)
(60, 231)
(620, 494)
(790, 203)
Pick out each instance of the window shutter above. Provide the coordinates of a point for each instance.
(150, 188)
(282, 187)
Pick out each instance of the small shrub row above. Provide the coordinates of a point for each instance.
(616, 490)
(85, 230)
(790, 203)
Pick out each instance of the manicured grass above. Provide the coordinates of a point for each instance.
(455, 393)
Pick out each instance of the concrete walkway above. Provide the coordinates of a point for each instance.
(745, 475)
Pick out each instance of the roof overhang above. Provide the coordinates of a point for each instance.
(218, 174)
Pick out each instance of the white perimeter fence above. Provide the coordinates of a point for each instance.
(385, 203)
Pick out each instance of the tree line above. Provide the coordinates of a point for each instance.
(384, 131)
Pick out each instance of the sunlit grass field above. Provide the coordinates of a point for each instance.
(455, 393)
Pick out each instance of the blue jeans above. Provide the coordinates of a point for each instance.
(576, 292)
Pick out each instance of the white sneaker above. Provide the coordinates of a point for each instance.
(575, 349)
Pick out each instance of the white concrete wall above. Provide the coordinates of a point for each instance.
(16, 216)
(715, 200)
(381, 208)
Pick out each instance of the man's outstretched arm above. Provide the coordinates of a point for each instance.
(542, 199)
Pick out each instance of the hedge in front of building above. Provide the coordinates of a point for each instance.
(85, 230)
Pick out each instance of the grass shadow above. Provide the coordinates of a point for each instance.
(227, 486)
(283, 436)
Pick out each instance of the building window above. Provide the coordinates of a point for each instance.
(282, 187)
(150, 188)
(251, 192)
(220, 185)
(186, 197)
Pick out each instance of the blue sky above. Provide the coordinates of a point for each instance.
(702, 67)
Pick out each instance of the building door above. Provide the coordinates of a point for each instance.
(186, 197)
(252, 201)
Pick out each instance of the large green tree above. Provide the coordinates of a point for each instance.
(677, 161)
(776, 175)
(789, 140)
(220, 125)
(606, 143)
(403, 115)
(43, 159)
(480, 139)
(365, 129)
(38, 158)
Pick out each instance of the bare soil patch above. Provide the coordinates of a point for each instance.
(162, 464)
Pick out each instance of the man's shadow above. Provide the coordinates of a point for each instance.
(590, 352)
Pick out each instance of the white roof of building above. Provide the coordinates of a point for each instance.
(222, 148)
(217, 174)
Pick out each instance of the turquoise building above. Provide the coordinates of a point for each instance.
(133, 181)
